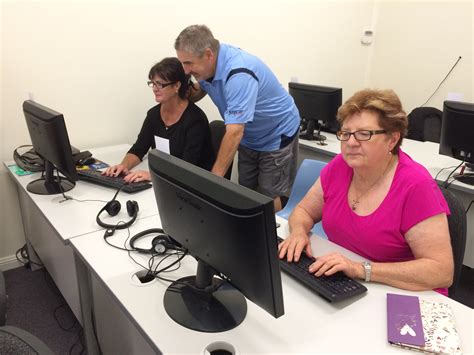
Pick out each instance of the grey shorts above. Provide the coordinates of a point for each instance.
(270, 173)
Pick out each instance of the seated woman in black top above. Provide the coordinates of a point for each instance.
(175, 118)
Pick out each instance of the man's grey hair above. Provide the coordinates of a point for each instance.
(195, 39)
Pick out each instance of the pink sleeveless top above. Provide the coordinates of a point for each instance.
(413, 197)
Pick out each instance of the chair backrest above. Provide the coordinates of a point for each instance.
(457, 230)
(217, 133)
(307, 174)
(14, 340)
(424, 124)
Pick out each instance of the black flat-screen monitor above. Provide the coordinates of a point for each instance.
(51, 142)
(457, 135)
(318, 108)
(231, 232)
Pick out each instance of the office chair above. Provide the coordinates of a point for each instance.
(306, 176)
(457, 230)
(424, 124)
(14, 340)
(217, 132)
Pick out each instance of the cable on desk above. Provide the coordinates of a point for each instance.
(107, 235)
(446, 183)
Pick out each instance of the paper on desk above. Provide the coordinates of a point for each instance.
(162, 144)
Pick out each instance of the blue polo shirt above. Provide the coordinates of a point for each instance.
(246, 91)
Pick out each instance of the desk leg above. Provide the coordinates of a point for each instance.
(86, 300)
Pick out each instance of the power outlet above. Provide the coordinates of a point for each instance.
(31, 96)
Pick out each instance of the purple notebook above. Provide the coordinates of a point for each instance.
(404, 320)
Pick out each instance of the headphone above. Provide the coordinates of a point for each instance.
(113, 208)
(28, 161)
(159, 245)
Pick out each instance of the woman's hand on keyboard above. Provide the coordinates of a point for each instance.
(331, 263)
(116, 170)
(293, 246)
(137, 176)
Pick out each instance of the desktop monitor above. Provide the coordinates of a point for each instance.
(231, 232)
(51, 142)
(457, 134)
(318, 107)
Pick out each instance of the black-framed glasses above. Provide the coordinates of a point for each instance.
(362, 135)
(158, 85)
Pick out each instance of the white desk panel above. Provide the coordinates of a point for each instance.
(310, 324)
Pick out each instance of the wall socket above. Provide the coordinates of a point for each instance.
(31, 96)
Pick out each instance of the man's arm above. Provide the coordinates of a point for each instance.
(195, 93)
(230, 142)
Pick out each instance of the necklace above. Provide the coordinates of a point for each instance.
(356, 200)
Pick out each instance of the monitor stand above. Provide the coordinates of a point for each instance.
(309, 134)
(205, 303)
(465, 178)
(49, 184)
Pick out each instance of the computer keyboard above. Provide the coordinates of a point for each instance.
(334, 288)
(96, 177)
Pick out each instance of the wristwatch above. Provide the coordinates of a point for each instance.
(368, 270)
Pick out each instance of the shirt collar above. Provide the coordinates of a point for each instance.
(220, 65)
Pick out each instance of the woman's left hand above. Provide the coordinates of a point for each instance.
(137, 176)
(331, 263)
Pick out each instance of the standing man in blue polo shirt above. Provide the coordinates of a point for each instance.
(262, 121)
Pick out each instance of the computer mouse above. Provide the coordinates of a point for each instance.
(86, 161)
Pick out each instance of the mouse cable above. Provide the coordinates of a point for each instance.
(446, 183)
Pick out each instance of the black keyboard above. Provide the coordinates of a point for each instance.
(96, 177)
(334, 288)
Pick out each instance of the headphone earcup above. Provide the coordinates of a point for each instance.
(132, 208)
(113, 207)
(159, 245)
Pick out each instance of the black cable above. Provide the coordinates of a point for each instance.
(449, 167)
(446, 184)
(81, 343)
(442, 81)
(95, 330)
(63, 327)
(468, 207)
(115, 246)
(23, 251)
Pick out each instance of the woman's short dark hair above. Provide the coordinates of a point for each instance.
(384, 103)
(171, 70)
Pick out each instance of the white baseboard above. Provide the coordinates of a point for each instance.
(9, 262)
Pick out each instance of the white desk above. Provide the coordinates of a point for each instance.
(310, 324)
(425, 153)
(49, 221)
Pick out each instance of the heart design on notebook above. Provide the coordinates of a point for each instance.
(407, 329)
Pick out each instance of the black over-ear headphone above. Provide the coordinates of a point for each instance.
(159, 245)
(113, 208)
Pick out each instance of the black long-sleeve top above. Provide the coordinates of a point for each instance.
(189, 138)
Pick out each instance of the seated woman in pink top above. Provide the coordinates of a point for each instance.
(376, 201)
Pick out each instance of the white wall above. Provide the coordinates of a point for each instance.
(417, 43)
(90, 59)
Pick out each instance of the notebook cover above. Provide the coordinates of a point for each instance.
(404, 322)
(441, 336)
